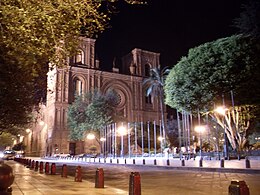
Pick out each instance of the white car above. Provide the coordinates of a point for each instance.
(9, 155)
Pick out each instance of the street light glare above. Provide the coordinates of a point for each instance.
(121, 130)
(160, 138)
(102, 139)
(90, 136)
(200, 129)
(221, 110)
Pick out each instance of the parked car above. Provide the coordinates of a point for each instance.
(9, 155)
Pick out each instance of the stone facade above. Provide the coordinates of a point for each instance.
(81, 75)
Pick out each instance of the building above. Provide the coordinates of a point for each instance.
(49, 134)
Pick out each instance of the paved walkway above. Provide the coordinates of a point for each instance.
(177, 182)
(29, 182)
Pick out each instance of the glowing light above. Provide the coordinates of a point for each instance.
(122, 130)
(28, 130)
(221, 110)
(160, 138)
(90, 136)
(102, 139)
(41, 123)
(200, 129)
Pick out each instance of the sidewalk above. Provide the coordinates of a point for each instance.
(156, 180)
(29, 182)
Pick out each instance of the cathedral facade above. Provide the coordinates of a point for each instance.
(50, 134)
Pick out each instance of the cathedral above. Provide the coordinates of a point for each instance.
(50, 135)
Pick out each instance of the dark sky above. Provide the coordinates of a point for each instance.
(169, 27)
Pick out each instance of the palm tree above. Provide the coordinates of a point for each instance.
(155, 85)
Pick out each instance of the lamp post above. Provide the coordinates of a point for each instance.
(222, 111)
(122, 131)
(200, 129)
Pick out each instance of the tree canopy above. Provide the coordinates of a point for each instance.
(90, 113)
(5, 140)
(34, 33)
(210, 70)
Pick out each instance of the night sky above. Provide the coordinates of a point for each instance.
(169, 27)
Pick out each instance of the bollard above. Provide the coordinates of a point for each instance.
(222, 161)
(238, 188)
(53, 168)
(6, 179)
(64, 171)
(201, 163)
(125, 160)
(41, 167)
(154, 162)
(36, 166)
(183, 162)
(117, 161)
(26, 162)
(110, 160)
(247, 163)
(32, 165)
(135, 184)
(78, 174)
(243, 188)
(47, 167)
(133, 161)
(99, 181)
(168, 162)
(29, 163)
(233, 188)
(143, 161)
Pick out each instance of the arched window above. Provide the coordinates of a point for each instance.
(79, 57)
(147, 70)
(78, 87)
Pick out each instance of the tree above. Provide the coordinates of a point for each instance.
(210, 70)
(155, 84)
(19, 146)
(5, 140)
(35, 29)
(235, 121)
(32, 35)
(90, 113)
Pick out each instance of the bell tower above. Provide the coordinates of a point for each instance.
(139, 62)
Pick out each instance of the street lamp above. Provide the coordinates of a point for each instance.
(200, 129)
(90, 136)
(122, 131)
(222, 111)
